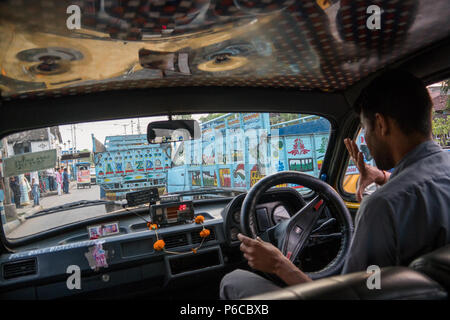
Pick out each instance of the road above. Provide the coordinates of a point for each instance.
(46, 222)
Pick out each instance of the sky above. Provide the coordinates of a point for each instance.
(101, 129)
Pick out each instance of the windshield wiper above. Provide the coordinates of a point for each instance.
(70, 206)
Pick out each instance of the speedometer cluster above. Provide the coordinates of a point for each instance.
(275, 206)
(267, 215)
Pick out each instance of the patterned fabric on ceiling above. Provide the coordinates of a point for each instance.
(310, 44)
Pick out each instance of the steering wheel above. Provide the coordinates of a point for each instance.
(291, 235)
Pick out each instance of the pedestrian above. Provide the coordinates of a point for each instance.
(51, 179)
(15, 188)
(58, 178)
(65, 181)
(35, 191)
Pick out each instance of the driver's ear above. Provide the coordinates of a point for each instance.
(382, 124)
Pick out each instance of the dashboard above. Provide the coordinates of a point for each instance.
(41, 269)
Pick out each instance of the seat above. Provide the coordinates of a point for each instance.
(435, 265)
(396, 283)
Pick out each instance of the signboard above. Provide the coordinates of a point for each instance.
(29, 162)
(84, 176)
(72, 156)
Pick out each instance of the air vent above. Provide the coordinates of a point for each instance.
(197, 239)
(19, 268)
(175, 240)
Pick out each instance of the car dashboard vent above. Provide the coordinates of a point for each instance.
(176, 240)
(19, 268)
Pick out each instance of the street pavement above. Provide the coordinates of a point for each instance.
(46, 222)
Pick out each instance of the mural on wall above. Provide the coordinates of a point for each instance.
(225, 177)
(109, 165)
(208, 156)
(298, 148)
(128, 163)
(239, 176)
(99, 165)
(148, 165)
(255, 175)
(139, 161)
(302, 165)
(209, 179)
(118, 163)
(196, 178)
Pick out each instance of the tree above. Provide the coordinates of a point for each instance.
(211, 116)
(182, 117)
(441, 130)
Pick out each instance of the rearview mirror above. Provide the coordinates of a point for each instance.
(172, 131)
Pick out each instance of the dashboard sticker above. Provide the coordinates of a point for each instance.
(103, 230)
(97, 257)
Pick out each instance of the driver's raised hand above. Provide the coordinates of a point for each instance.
(368, 173)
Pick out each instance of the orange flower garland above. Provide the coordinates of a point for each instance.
(205, 233)
(152, 226)
(159, 245)
(199, 219)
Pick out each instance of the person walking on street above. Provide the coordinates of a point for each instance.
(15, 188)
(35, 191)
(51, 179)
(58, 178)
(65, 181)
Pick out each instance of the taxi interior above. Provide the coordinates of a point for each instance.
(309, 57)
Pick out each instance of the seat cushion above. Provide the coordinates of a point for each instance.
(435, 265)
(396, 283)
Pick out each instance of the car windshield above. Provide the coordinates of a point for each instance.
(61, 175)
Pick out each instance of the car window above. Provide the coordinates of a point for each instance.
(57, 176)
(351, 176)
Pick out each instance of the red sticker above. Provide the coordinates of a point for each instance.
(318, 204)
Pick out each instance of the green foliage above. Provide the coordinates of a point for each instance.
(211, 116)
(441, 130)
(282, 117)
(182, 117)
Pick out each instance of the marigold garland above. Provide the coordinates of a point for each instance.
(159, 245)
(205, 233)
(199, 219)
(152, 226)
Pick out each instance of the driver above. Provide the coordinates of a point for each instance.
(405, 218)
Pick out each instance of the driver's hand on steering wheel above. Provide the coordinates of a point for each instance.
(265, 257)
(261, 255)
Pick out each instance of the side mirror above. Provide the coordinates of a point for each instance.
(172, 131)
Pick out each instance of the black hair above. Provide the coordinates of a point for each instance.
(401, 96)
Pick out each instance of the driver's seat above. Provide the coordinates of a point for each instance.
(396, 283)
